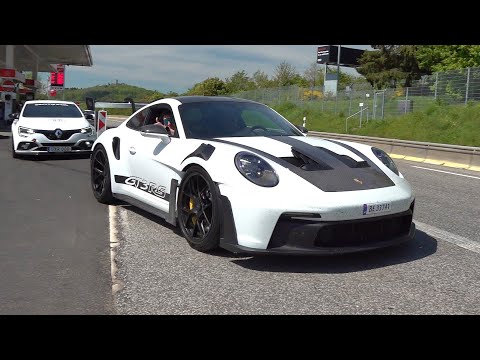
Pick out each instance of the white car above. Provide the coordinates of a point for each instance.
(235, 174)
(51, 127)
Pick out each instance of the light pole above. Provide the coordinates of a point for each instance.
(338, 77)
(367, 96)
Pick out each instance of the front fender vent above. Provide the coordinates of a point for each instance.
(116, 147)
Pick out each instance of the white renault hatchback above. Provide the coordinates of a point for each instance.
(46, 127)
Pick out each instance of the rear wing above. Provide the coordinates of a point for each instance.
(100, 105)
(128, 103)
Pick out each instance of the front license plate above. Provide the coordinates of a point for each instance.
(376, 208)
(59, 148)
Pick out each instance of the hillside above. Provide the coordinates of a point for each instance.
(109, 92)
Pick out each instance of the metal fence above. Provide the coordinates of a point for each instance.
(452, 87)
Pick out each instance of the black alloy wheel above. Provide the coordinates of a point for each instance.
(198, 210)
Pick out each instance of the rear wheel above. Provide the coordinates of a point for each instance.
(100, 176)
(199, 210)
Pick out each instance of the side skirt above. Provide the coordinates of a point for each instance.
(141, 205)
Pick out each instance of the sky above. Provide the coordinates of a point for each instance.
(178, 68)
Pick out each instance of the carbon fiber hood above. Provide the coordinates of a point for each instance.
(329, 165)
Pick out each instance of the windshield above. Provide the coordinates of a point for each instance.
(212, 119)
(58, 110)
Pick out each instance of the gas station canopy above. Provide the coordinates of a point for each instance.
(15, 59)
(26, 57)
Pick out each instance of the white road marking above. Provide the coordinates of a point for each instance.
(447, 172)
(117, 285)
(449, 237)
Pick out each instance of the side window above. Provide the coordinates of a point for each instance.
(137, 121)
(159, 114)
(154, 115)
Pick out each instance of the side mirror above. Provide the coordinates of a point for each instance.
(89, 117)
(13, 116)
(302, 129)
(156, 131)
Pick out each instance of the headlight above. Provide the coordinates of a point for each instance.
(89, 130)
(385, 159)
(256, 169)
(23, 131)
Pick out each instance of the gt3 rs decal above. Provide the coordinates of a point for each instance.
(331, 175)
(144, 185)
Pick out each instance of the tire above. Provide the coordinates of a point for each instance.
(198, 207)
(14, 154)
(100, 176)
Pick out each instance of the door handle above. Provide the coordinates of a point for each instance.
(132, 150)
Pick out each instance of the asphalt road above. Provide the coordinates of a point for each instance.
(54, 238)
(161, 274)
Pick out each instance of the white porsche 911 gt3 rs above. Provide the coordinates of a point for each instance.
(235, 174)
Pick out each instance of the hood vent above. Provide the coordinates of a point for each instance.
(308, 164)
(347, 160)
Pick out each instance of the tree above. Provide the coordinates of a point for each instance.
(300, 81)
(261, 80)
(155, 95)
(285, 74)
(312, 75)
(390, 65)
(209, 87)
(436, 58)
(346, 79)
(239, 82)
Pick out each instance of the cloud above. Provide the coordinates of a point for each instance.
(179, 67)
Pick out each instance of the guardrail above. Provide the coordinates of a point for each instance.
(463, 156)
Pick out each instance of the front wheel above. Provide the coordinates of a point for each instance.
(14, 154)
(199, 210)
(100, 176)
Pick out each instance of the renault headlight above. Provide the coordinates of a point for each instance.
(23, 131)
(385, 159)
(88, 130)
(256, 169)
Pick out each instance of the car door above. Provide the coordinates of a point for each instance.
(147, 157)
(127, 139)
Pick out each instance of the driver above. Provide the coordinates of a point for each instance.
(167, 122)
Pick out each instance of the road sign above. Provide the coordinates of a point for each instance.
(101, 122)
(7, 86)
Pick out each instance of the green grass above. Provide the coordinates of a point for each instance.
(454, 124)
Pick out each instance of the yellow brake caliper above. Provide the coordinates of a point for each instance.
(194, 217)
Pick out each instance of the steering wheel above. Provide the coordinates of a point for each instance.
(256, 127)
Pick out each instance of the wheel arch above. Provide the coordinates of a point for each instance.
(228, 232)
(215, 174)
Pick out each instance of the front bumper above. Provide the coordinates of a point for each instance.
(46, 142)
(36, 148)
(295, 235)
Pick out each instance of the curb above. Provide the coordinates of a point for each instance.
(453, 156)
(436, 162)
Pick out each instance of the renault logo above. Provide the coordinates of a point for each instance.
(58, 133)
